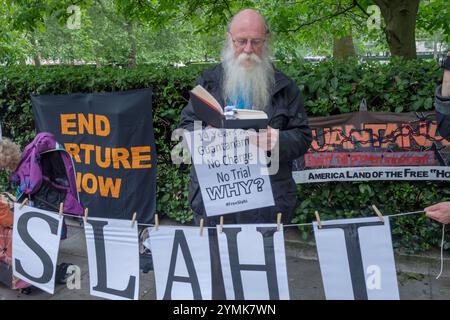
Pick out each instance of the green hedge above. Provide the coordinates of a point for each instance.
(328, 88)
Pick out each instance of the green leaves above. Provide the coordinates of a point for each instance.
(332, 88)
(354, 199)
(434, 16)
(172, 193)
(167, 31)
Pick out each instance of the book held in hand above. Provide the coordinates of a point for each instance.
(209, 110)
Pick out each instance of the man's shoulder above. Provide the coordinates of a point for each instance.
(212, 74)
(280, 76)
(283, 81)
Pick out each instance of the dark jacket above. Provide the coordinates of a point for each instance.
(286, 113)
(443, 113)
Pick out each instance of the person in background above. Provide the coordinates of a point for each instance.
(441, 211)
(247, 79)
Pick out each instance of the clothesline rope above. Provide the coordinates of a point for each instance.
(310, 224)
(442, 252)
(285, 226)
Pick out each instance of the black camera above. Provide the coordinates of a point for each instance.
(445, 62)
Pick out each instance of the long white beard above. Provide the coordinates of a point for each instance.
(247, 76)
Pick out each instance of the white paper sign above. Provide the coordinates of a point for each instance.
(372, 173)
(356, 259)
(181, 262)
(36, 237)
(232, 172)
(253, 262)
(113, 256)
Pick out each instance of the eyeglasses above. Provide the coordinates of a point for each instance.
(242, 43)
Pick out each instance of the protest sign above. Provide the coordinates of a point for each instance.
(36, 237)
(232, 172)
(113, 256)
(357, 259)
(110, 137)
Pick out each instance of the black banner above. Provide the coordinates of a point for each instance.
(363, 146)
(110, 138)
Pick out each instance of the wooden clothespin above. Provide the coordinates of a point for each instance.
(319, 224)
(378, 213)
(85, 215)
(221, 224)
(279, 214)
(156, 222)
(133, 220)
(23, 203)
(202, 221)
(61, 210)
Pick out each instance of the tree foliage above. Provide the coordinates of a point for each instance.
(150, 31)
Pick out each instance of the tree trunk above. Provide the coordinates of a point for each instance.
(343, 48)
(36, 52)
(400, 18)
(37, 59)
(132, 40)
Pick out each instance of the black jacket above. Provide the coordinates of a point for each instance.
(286, 113)
(443, 113)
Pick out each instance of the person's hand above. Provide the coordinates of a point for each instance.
(439, 212)
(267, 139)
(446, 84)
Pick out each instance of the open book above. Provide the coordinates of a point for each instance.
(209, 110)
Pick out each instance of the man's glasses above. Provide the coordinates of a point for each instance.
(242, 43)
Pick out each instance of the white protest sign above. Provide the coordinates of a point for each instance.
(372, 174)
(113, 256)
(356, 259)
(232, 172)
(181, 262)
(253, 262)
(36, 237)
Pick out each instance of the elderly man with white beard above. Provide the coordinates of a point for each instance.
(246, 78)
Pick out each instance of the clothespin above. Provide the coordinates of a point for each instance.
(156, 222)
(319, 224)
(221, 224)
(85, 215)
(378, 213)
(279, 214)
(202, 221)
(133, 220)
(61, 210)
(23, 203)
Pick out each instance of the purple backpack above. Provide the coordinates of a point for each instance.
(46, 175)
